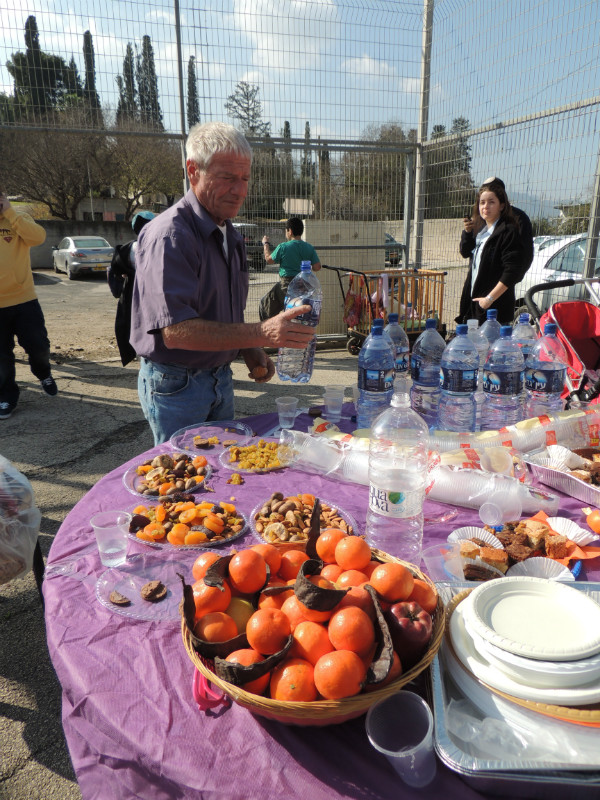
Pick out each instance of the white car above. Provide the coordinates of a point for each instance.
(76, 255)
(557, 261)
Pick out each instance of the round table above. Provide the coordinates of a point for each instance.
(130, 721)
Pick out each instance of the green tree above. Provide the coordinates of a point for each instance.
(245, 107)
(449, 185)
(127, 108)
(89, 90)
(193, 104)
(147, 85)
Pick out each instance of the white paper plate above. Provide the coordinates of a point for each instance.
(472, 532)
(474, 660)
(571, 530)
(131, 480)
(536, 618)
(183, 439)
(541, 567)
(543, 674)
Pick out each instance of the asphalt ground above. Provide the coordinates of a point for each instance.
(64, 445)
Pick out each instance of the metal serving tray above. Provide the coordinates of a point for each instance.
(502, 777)
(566, 483)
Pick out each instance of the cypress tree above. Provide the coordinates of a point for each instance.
(127, 108)
(89, 89)
(193, 105)
(150, 112)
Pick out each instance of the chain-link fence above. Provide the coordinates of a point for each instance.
(349, 106)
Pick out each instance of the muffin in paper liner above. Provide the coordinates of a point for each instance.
(540, 567)
(472, 532)
(571, 530)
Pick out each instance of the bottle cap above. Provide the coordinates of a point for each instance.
(524, 319)
(461, 330)
(506, 330)
(378, 323)
(430, 323)
(550, 328)
(305, 266)
(492, 313)
(393, 318)
(472, 323)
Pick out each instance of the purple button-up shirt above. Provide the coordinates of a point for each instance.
(182, 273)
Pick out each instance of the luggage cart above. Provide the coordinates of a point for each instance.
(423, 289)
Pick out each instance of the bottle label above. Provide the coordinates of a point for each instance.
(402, 362)
(375, 380)
(423, 373)
(549, 381)
(502, 382)
(458, 380)
(311, 317)
(397, 505)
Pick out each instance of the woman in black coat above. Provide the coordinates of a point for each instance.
(492, 242)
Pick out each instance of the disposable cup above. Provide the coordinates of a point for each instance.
(501, 507)
(401, 727)
(111, 529)
(333, 400)
(286, 408)
(310, 453)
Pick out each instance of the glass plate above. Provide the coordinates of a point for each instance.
(345, 515)
(131, 480)
(129, 578)
(183, 439)
(225, 462)
(203, 546)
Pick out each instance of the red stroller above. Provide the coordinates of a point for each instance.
(578, 328)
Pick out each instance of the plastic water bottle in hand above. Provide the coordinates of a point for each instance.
(524, 335)
(425, 364)
(545, 374)
(491, 327)
(460, 368)
(375, 376)
(398, 461)
(402, 346)
(503, 383)
(305, 289)
(480, 341)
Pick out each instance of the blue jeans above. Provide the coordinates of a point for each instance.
(173, 397)
(26, 322)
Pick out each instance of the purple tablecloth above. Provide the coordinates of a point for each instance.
(129, 718)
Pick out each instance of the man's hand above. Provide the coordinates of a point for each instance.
(4, 203)
(261, 368)
(282, 331)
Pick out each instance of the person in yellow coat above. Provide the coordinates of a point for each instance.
(21, 315)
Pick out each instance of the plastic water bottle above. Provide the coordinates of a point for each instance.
(398, 460)
(460, 368)
(402, 346)
(375, 376)
(503, 383)
(491, 327)
(305, 289)
(425, 363)
(480, 341)
(524, 335)
(545, 374)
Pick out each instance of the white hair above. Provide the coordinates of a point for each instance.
(208, 138)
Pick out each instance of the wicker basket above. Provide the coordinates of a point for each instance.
(323, 712)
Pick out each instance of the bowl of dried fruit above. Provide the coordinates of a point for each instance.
(168, 473)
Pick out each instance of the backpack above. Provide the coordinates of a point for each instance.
(120, 280)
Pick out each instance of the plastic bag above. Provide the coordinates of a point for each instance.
(19, 523)
(352, 305)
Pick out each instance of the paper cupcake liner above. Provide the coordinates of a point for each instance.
(571, 530)
(472, 532)
(540, 567)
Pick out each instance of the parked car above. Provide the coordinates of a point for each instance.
(77, 255)
(254, 248)
(393, 250)
(557, 261)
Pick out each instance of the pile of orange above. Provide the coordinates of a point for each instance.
(331, 651)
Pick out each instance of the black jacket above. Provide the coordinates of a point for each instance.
(503, 259)
(120, 280)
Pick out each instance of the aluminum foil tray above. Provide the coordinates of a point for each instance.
(566, 483)
(502, 777)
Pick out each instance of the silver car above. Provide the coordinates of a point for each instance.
(77, 255)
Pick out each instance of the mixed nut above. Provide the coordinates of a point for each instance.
(287, 519)
(168, 473)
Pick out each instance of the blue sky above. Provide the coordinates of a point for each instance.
(344, 65)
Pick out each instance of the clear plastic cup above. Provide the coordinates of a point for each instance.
(401, 727)
(309, 453)
(333, 400)
(111, 529)
(286, 408)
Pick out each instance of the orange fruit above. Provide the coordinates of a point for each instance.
(247, 656)
(392, 582)
(351, 628)
(311, 641)
(339, 674)
(352, 552)
(210, 598)
(202, 563)
(326, 544)
(359, 597)
(216, 626)
(291, 561)
(270, 554)
(425, 595)
(332, 572)
(368, 570)
(351, 577)
(293, 680)
(268, 630)
(294, 610)
(274, 600)
(247, 571)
